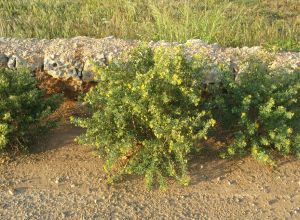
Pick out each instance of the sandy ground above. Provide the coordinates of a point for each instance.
(65, 180)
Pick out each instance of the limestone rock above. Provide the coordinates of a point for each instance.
(72, 60)
(12, 61)
(89, 72)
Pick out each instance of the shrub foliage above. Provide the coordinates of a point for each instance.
(23, 109)
(147, 115)
(261, 108)
(149, 112)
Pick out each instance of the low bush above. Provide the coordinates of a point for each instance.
(261, 108)
(147, 114)
(23, 109)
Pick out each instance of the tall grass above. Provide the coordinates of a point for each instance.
(270, 23)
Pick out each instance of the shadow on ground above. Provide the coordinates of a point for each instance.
(57, 138)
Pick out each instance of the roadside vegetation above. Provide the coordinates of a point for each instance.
(24, 110)
(259, 109)
(148, 114)
(272, 24)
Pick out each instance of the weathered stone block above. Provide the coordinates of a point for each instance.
(72, 60)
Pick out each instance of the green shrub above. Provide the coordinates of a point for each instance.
(261, 108)
(23, 109)
(147, 115)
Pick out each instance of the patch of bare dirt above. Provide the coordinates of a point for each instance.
(70, 87)
(62, 179)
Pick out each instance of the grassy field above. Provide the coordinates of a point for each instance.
(274, 24)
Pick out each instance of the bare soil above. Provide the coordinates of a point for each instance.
(62, 179)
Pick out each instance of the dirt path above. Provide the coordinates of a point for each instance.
(66, 180)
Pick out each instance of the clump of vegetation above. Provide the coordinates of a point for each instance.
(147, 114)
(273, 24)
(261, 108)
(23, 109)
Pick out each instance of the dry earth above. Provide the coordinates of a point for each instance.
(62, 179)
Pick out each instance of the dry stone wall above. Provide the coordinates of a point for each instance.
(71, 60)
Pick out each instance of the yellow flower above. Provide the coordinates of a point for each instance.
(289, 130)
(176, 79)
(213, 122)
(6, 116)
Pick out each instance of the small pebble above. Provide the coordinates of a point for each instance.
(273, 201)
(220, 178)
(12, 192)
(238, 199)
(58, 180)
(96, 201)
(231, 182)
(297, 210)
(66, 214)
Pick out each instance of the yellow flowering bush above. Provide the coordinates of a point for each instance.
(261, 109)
(23, 109)
(147, 114)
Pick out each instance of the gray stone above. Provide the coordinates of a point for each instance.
(12, 62)
(89, 71)
(73, 58)
(12, 192)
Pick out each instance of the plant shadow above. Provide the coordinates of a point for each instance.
(56, 138)
(208, 165)
(65, 133)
